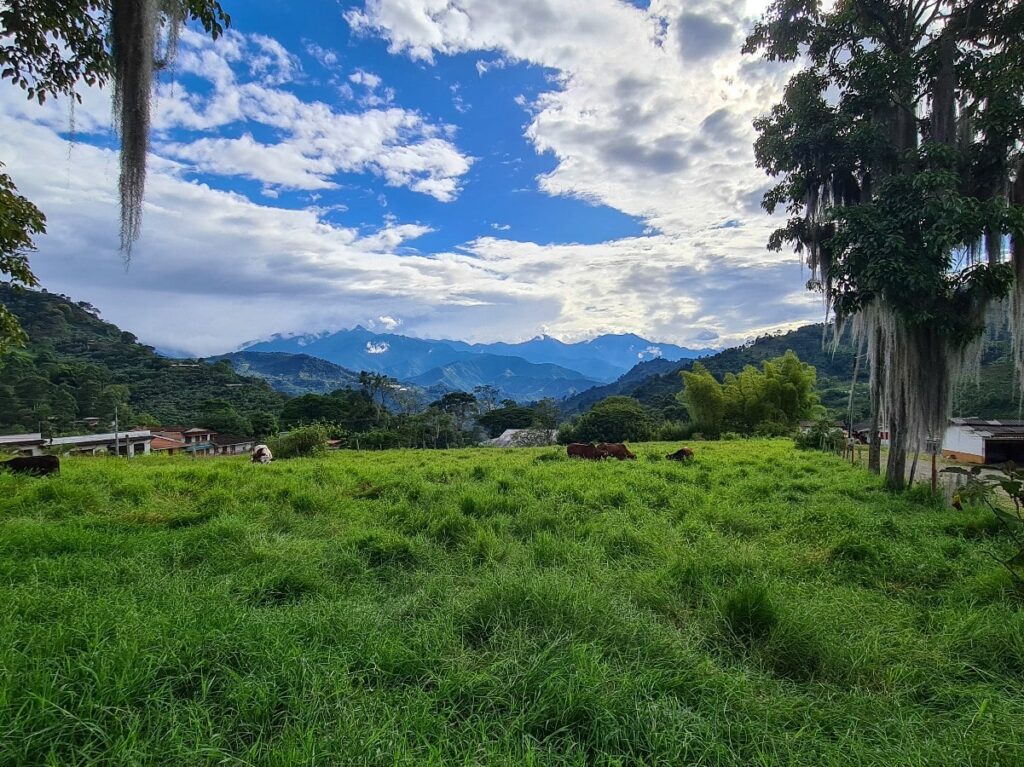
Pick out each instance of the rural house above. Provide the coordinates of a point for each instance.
(976, 440)
(232, 444)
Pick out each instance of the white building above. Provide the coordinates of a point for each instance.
(976, 440)
(128, 443)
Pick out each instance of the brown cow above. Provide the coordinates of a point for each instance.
(584, 450)
(682, 454)
(37, 465)
(616, 450)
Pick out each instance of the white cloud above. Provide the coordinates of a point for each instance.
(628, 118)
(500, 227)
(381, 348)
(312, 142)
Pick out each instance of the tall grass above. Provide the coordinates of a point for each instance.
(758, 606)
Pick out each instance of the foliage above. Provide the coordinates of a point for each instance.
(508, 416)
(768, 402)
(351, 410)
(500, 608)
(897, 153)
(77, 366)
(616, 419)
(823, 435)
(985, 485)
(221, 416)
(303, 442)
(19, 221)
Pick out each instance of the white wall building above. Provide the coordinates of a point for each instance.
(976, 440)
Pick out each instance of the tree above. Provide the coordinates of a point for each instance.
(48, 47)
(263, 424)
(220, 416)
(508, 416)
(457, 404)
(770, 400)
(545, 414)
(897, 150)
(703, 398)
(615, 419)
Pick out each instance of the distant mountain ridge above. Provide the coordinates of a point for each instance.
(292, 374)
(601, 359)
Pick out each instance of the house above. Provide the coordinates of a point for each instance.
(22, 444)
(976, 440)
(127, 443)
(194, 440)
(166, 445)
(232, 444)
(862, 430)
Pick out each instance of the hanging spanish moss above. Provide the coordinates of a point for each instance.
(914, 370)
(135, 37)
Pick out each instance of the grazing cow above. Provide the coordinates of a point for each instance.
(584, 450)
(616, 450)
(37, 465)
(682, 454)
(261, 454)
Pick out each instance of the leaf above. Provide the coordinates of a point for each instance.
(1011, 520)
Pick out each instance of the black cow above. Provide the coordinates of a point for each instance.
(36, 465)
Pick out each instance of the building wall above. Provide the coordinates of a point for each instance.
(962, 443)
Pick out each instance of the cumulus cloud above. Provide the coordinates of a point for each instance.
(651, 109)
(381, 348)
(312, 141)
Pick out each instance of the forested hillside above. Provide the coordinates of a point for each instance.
(77, 366)
(293, 374)
(656, 383)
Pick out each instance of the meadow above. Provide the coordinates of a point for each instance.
(760, 605)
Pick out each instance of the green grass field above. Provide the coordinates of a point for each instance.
(759, 606)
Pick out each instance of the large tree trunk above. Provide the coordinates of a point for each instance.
(874, 443)
(896, 468)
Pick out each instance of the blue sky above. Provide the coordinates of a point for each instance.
(478, 170)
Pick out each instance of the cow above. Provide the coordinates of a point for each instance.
(616, 450)
(262, 454)
(36, 465)
(584, 450)
(682, 454)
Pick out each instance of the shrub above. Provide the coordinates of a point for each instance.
(300, 443)
(675, 431)
(822, 436)
(772, 429)
(377, 439)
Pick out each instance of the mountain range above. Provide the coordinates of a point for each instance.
(599, 360)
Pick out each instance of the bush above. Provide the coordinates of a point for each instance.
(772, 429)
(300, 443)
(824, 435)
(377, 439)
(675, 431)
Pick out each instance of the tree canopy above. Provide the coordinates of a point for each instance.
(897, 153)
(770, 400)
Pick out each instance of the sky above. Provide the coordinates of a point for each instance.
(474, 169)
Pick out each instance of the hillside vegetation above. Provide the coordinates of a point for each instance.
(656, 383)
(758, 606)
(77, 366)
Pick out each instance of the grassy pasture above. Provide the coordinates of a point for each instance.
(759, 606)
